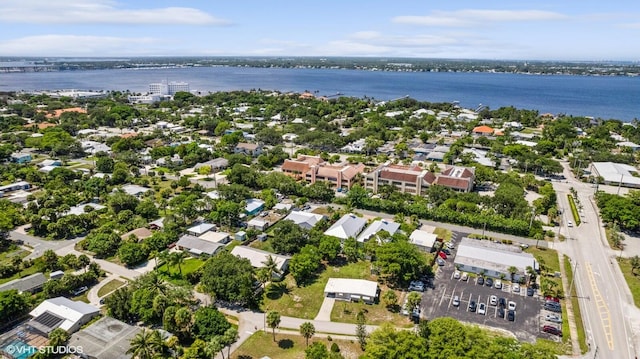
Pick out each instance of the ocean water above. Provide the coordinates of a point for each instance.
(598, 96)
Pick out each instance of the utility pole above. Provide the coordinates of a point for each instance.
(620, 184)
(533, 214)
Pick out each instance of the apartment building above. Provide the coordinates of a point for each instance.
(416, 180)
(314, 168)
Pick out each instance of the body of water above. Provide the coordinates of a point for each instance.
(597, 96)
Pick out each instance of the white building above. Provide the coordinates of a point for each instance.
(168, 88)
(259, 257)
(493, 259)
(423, 240)
(616, 174)
(377, 226)
(61, 313)
(351, 290)
(305, 220)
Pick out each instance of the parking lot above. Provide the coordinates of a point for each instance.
(438, 301)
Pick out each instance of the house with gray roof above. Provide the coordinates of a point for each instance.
(198, 246)
(377, 226)
(30, 284)
(258, 257)
(348, 226)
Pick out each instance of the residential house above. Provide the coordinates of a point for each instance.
(198, 246)
(254, 206)
(17, 186)
(29, 284)
(349, 226)
(258, 223)
(201, 229)
(139, 233)
(107, 338)
(217, 237)
(305, 220)
(424, 240)
(249, 149)
(50, 162)
(214, 165)
(134, 189)
(21, 157)
(352, 290)
(61, 313)
(157, 224)
(482, 131)
(258, 258)
(377, 226)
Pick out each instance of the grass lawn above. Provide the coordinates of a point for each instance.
(109, 287)
(82, 297)
(633, 280)
(549, 265)
(305, 302)
(265, 246)
(375, 314)
(574, 209)
(582, 339)
(172, 273)
(443, 233)
(9, 254)
(288, 346)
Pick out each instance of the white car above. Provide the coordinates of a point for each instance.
(569, 224)
(511, 305)
(553, 318)
(493, 300)
(516, 288)
(497, 284)
(465, 276)
(456, 301)
(449, 245)
(482, 309)
(456, 275)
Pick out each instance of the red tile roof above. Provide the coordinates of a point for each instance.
(451, 182)
(57, 113)
(295, 166)
(399, 176)
(483, 129)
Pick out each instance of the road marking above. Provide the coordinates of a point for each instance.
(603, 309)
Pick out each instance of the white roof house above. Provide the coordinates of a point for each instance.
(254, 205)
(304, 219)
(493, 258)
(616, 173)
(134, 189)
(217, 237)
(200, 229)
(197, 246)
(80, 209)
(62, 313)
(351, 289)
(423, 239)
(257, 257)
(377, 226)
(348, 226)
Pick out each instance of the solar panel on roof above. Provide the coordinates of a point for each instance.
(48, 319)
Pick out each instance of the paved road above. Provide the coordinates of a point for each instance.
(40, 245)
(605, 301)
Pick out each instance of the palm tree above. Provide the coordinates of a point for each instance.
(214, 345)
(147, 344)
(307, 330)
(273, 321)
(164, 258)
(512, 270)
(229, 337)
(177, 258)
(531, 274)
(271, 265)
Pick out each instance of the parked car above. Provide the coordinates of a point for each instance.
(482, 309)
(446, 251)
(465, 276)
(488, 282)
(501, 312)
(498, 284)
(502, 303)
(442, 255)
(493, 300)
(511, 305)
(569, 224)
(449, 245)
(552, 330)
(551, 299)
(472, 306)
(553, 318)
(553, 307)
(456, 301)
(80, 290)
(480, 280)
(516, 288)
(511, 315)
(417, 286)
(530, 291)
(405, 307)
(440, 262)
(456, 275)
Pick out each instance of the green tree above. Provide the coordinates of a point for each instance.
(413, 300)
(307, 330)
(316, 350)
(361, 330)
(58, 337)
(388, 343)
(635, 264)
(229, 278)
(132, 253)
(399, 261)
(329, 247)
(303, 265)
(350, 249)
(273, 321)
(390, 299)
(147, 344)
(289, 238)
(229, 337)
(271, 266)
(209, 322)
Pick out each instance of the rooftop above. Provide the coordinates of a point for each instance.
(377, 226)
(348, 226)
(360, 287)
(257, 257)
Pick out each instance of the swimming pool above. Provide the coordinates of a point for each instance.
(19, 349)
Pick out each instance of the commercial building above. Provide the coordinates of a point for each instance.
(352, 290)
(423, 240)
(348, 226)
(493, 259)
(313, 169)
(616, 174)
(259, 257)
(61, 313)
(168, 88)
(457, 178)
(405, 179)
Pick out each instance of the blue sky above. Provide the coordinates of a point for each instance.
(529, 30)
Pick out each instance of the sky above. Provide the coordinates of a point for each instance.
(580, 30)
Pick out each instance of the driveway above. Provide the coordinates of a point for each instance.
(324, 313)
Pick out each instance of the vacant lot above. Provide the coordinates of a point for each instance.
(288, 346)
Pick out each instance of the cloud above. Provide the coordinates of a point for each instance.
(99, 12)
(73, 45)
(473, 17)
(633, 26)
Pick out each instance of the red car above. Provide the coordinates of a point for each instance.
(442, 255)
(551, 299)
(552, 330)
